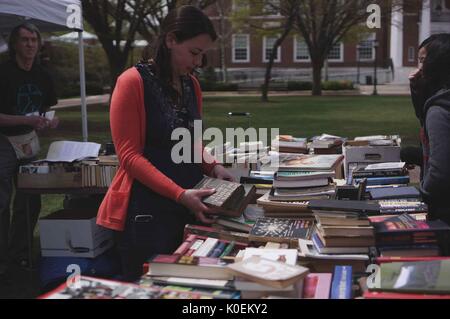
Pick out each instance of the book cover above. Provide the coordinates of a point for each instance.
(394, 192)
(284, 230)
(317, 286)
(341, 286)
(288, 256)
(309, 162)
(428, 277)
(366, 207)
(96, 288)
(386, 180)
(405, 229)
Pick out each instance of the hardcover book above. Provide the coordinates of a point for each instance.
(428, 277)
(268, 272)
(341, 286)
(281, 230)
(405, 229)
(230, 198)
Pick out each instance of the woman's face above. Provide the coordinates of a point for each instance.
(187, 55)
(421, 57)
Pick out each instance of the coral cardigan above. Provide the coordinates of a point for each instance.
(128, 128)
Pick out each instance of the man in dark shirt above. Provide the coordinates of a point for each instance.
(26, 93)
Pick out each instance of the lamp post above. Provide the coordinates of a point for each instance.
(358, 53)
(375, 79)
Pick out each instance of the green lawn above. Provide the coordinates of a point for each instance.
(300, 116)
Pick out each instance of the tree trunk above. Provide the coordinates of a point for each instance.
(317, 78)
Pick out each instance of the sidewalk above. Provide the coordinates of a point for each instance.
(386, 90)
(93, 99)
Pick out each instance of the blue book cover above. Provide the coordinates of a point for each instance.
(341, 287)
(388, 180)
(394, 192)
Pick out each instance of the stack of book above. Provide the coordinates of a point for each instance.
(281, 208)
(342, 232)
(197, 257)
(388, 173)
(302, 185)
(405, 236)
(250, 288)
(327, 144)
(289, 144)
(320, 262)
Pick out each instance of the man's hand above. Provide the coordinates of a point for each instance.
(192, 199)
(54, 122)
(37, 122)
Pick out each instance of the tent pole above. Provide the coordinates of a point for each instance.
(82, 87)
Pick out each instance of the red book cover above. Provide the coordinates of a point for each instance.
(317, 286)
(381, 260)
(394, 295)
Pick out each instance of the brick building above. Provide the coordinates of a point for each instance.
(246, 53)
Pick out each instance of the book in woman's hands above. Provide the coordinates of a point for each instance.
(230, 198)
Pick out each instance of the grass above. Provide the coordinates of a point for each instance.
(300, 116)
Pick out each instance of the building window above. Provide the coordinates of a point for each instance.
(271, 7)
(268, 43)
(301, 52)
(366, 50)
(240, 5)
(411, 54)
(241, 48)
(336, 53)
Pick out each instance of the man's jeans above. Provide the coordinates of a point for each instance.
(8, 167)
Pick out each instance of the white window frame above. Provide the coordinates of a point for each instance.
(264, 59)
(296, 40)
(233, 57)
(411, 57)
(341, 59)
(235, 7)
(370, 38)
(266, 12)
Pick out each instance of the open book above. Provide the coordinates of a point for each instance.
(69, 151)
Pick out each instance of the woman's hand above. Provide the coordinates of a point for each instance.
(192, 199)
(220, 172)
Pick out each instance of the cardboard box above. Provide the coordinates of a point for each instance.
(73, 233)
(50, 180)
(360, 153)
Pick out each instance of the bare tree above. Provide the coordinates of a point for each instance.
(270, 18)
(324, 23)
(116, 24)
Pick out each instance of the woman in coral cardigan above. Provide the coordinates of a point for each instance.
(152, 198)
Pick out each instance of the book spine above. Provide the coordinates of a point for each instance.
(206, 247)
(228, 249)
(196, 245)
(184, 247)
(217, 251)
(341, 287)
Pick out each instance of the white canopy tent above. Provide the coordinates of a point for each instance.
(49, 15)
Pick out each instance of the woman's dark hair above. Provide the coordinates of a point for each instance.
(185, 22)
(436, 67)
(14, 37)
(427, 41)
